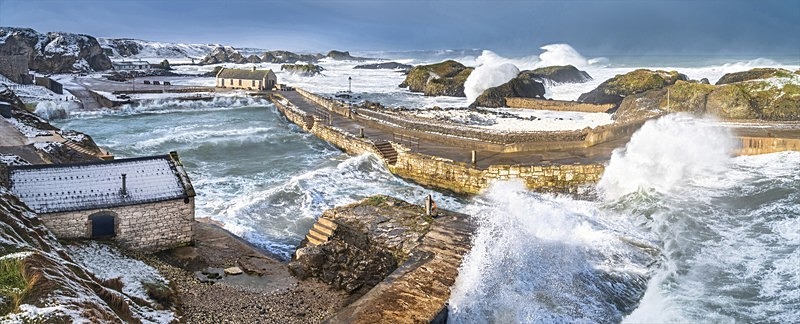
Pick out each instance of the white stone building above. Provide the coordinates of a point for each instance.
(142, 203)
(130, 65)
(246, 79)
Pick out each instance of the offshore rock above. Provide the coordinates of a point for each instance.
(253, 59)
(441, 79)
(525, 85)
(386, 66)
(302, 69)
(561, 74)
(223, 54)
(774, 97)
(372, 238)
(614, 90)
(344, 56)
(54, 52)
(753, 74)
(289, 57)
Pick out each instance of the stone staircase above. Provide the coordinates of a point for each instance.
(321, 231)
(388, 153)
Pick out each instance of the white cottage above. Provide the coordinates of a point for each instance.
(142, 203)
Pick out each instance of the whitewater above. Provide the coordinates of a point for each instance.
(679, 230)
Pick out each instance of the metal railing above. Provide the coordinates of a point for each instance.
(406, 140)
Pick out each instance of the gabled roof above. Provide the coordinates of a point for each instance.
(243, 74)
(71, 187)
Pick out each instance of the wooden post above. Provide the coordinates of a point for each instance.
(428, 206)
(473, 157)
(330, 118)
(361, 132)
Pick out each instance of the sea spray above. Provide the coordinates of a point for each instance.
(539, 258)
(666, 152)
(54, 110)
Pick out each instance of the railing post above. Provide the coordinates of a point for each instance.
(473, 157)
(361, 132)
(428, 205)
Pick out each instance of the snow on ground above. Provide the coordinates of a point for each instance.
(33, 93)
(12, 160)
(106, 262)
(519, 120)
(26, 130)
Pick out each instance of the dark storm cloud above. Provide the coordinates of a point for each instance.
(514, 27)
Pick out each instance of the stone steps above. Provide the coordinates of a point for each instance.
(321, 231)
(388, 152)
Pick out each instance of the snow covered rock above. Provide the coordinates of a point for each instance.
(54, 52)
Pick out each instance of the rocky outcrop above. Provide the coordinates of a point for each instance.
(54, 52)
(302, 69)
(753, 74)
(289, 57)
(253, 59)
(223, 54)
(344, 56)
(371, 239)
(614, 90)
(525, 85)
(386, 66)
(122, 47)
(561, 74)
(441, 79)
(775, 98)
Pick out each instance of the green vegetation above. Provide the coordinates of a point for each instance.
(640, 81)
(12, 284)
(376, 200)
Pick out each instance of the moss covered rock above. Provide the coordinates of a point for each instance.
(776, 98)
(730, 101)
(638, 81)
(525, 85)
(562, 74)
(754, 74)
(441, 79)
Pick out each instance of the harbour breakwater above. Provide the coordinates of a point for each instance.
(435, 171)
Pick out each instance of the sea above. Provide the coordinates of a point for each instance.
(679, 230)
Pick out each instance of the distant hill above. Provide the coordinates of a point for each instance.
(117, 48)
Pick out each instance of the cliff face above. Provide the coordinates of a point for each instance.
(441, 79)
(54, 52)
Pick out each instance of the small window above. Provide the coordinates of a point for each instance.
(240, 83)
(253, 83)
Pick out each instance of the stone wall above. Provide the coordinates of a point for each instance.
(147, 227)
(765, 145)
(15, 68)
(557, 105)
(463, 178)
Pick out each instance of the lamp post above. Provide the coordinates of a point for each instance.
(350, 84)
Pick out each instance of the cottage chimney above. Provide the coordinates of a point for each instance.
(124, 185)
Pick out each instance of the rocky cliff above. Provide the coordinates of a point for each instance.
(525, 85)
(441, 79)
(289, 57)
(759, 94)
(54, 52)
(617, 88)
(561, 74)
(136, 48)
(344, 56)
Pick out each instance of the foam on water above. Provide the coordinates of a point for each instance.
(716, 237)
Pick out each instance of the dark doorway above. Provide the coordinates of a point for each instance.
(103, 226)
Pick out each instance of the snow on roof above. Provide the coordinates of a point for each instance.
(244, 74)
(59, 188)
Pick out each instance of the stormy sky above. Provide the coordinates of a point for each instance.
(621, 27)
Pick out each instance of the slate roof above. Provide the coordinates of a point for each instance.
(243, 74)
(71, 187)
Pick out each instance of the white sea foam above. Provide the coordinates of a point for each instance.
(664, 153)
(52, 110)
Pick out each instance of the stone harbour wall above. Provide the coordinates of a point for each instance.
(463, 178)
(557, 105)
(766, 145)
(147, 227)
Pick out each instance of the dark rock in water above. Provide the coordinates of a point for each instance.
(54, 52)
(525, 85)
(289, 57)
(617, 88)
(303, 69)
(385, 65)
(754, 74)
(371, 239)
(561, 74)
(704, 81)
(223, 54)
(253, 59)
(344, 56)
(441, 79)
